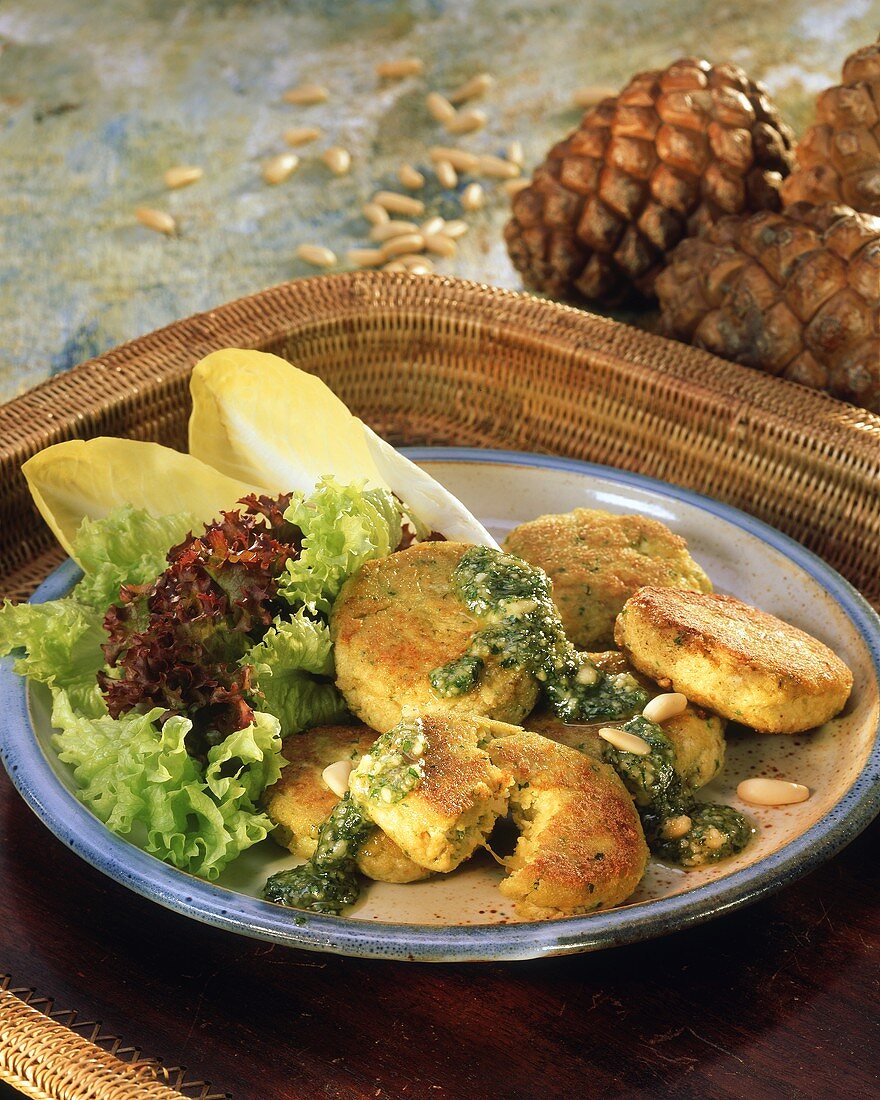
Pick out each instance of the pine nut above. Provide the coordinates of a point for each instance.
(316, 255)
(515, 153)
(513, 187)
(336, 776)
(420, 269)
(156, 219)
(455, 228)
(374, 213)
(665, 706)
(439, 107)
(473, 197)
(772, 792)
(414, 259)
(432, 226)
(399, 204)
(441, 245)
(399, 246)
(364, 257)
(182, 175)
(476, 86)
(466, 122)
(676, 827)
(410, 177)
(306, 94)
(389, 229)
(337, 159)
(591, 94)
(395, 265)
(302, 135)
(714, 838)
(460, 159)
(446, 174)
(626, 742)
(404, 66)
(498, 168)
(279, 168)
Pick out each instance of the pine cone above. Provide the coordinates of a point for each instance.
(838, 159)
(675, 151)
(795, 294)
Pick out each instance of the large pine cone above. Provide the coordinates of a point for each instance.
(795, 294)
(838, 159)
(678, 149)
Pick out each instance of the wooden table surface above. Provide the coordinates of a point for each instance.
(778, 1000)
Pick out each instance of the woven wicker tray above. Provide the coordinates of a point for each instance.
(436, 360)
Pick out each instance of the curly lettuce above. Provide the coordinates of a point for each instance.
(136, 776)
(343, 526)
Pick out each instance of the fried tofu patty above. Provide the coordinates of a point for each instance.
(733, 659)
(301, 801)
(430, 785)
(581, 845)
(398, 619)
(597, 560)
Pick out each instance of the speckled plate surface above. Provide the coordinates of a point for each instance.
(463, 916)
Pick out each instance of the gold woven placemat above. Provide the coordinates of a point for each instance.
(442, 361)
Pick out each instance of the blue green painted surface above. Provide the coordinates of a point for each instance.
(98, 99)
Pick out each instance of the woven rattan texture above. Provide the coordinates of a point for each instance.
(437, 360)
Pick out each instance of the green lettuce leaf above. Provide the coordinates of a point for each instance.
(137, 776)
(343, 526)
(286, 665)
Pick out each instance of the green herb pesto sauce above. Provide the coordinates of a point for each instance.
(394, 766)
(666, 805)
(523, 630)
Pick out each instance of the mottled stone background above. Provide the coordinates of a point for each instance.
(97, 99)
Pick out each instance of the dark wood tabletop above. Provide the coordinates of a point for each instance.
(777, 1000)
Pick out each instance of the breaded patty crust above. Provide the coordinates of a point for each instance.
(301, 801)
(733, 659)
(597, 560)
(397, 620)
(581, 845)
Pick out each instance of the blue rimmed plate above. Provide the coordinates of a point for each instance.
(463, 916)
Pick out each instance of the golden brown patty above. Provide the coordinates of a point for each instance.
(301, 801)
(397, 620)
(696, 735)
(733, 659)
(597, 560)
(451, 809)
(581, 847)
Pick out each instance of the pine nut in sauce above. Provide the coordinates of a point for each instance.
(675, 827)
(772, 792)
(404, 66)
(455, 228)
(386, 230)
(158, 220)
(460, 159)
(439, 107)
(399, 204)
(466, 122)
(473, 197)
(498, 168)
(432, 226)
(399, 246)
(306, 94)
(316, 255)
(515, 154)
(410, 177)
(279, 168)
(513, 187)
(446, 174)
(182, 175)
(364, 257)
(301, 135)
(337, 159)
(626, 742)
(591, 94)
(374, 213)
(441, 245)
(477, 85)
(336, 775)
(665, 706)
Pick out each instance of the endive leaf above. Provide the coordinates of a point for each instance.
(89, 478)
(257, 417)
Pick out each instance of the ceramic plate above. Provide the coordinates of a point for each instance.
(463, 916)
